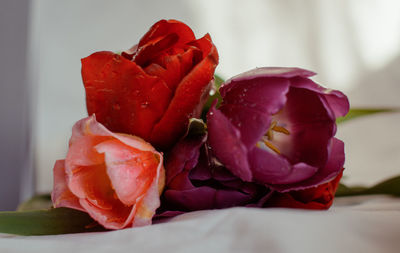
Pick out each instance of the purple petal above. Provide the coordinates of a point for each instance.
(224, 139)
(202, 171)
(165, 215)
(311, 127)
(230, 198)
(331, 170)
(220, 173)
(270, 168)
(336, 100)
(205, 197)
(180, 182)
(267, 167)
(199, 198)
(261, 202)
(269, 72)
(251, 123)
(264, 94)
(184, 156)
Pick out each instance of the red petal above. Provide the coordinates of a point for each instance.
(320, 197)
(189, 98)
(172, 68)
(164, 27)
(123, 97)
(162, 35)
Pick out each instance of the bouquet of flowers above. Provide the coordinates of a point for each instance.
(165, 136)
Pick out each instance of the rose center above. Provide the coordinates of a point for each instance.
(269, 135)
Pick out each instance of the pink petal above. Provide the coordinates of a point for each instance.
(61, 196)
(131, 171)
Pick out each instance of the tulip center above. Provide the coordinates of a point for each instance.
(268, 138)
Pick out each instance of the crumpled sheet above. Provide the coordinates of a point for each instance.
(353, 224)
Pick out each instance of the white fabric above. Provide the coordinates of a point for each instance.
(354, 224)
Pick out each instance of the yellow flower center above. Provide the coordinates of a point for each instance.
(269, 136)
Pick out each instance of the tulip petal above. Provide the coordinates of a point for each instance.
(165, 27)
(172, 68)
(311, 128)
(90, 127)
(151, 201)
(184, 156)
(61, 196)
(257, 123)
(332, 168)
(131, 171)
(199, 198)
(226, 144)
(123, 97)
(264, 94)
(188, 101)
(204, 197)
(91, 183)
(336, 100)
(267, 72)
(81, 152)
(118, 217)
(270, 168)
(317, 198)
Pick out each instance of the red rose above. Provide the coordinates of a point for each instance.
(320, 197)
(154, 88)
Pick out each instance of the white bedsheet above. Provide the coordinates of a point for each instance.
(353, 224)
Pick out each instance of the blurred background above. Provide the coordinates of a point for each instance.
(353, 45)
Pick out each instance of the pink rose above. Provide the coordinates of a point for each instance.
(116, 178)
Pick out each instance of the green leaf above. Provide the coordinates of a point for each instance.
(217, 82)
(47, 222)
(42, 201)
(390, 186)
(361, 112)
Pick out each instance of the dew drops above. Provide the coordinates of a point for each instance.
(212, 92)
(144, 104)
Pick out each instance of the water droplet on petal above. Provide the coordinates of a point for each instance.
(144, 104)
